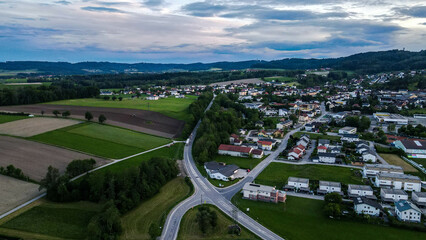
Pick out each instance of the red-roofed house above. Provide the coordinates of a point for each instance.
(236, 151)
(294, 154)
(322, 149)
(257, 153)
(301, 148)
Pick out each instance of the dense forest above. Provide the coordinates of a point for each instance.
(370, 62)
(56, 91)
(224, 118)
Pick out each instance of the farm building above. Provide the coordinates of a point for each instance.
(236, 151)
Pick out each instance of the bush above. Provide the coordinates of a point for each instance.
(77, 167)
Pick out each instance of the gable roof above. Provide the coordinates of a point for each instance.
(264, 142)
(322, 147)
(363, 200)
(226, 170)
(414, 144)
(404, 205)
(233, 148)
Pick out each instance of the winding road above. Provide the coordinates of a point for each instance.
(204, 192)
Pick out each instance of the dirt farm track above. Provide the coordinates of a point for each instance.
(139, 120)
(34, 158)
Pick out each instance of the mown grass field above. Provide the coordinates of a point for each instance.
(62, 220)
(303, 219)
(137, 222)
(10, 118)
(173, 107)
(101, 140)
(315, 136)
(189, 229)
(276, 174)
(394, 159)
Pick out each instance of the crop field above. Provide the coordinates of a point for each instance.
(34, 158)
(101, 140)
(276, 174)
(60, 220)
(10, 118)
(189, 228)
(173, 107)
(137, 222)
(394, 159)
(33, 126)
(139, 120)
(15, 192)
(304, 219)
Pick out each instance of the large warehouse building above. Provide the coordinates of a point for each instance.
(384, 117)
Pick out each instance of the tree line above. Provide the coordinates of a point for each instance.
(196, 111)
(120, 191)
(57, 91)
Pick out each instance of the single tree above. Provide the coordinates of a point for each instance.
(42, 112)
(120, 98)
(56, 113)
(66, 114)
(106, 98)
(88, 116)
(102, 118)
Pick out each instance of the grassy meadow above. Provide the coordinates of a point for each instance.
(101, 140)
(276, 174)
(10, 118)
(173, 107)
(303, 219)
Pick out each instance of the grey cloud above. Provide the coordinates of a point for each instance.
(102, 9)
(63, 2)
(416, 11)
(153, 3)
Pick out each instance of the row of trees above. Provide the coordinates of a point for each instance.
(361, 123)
(14, 172)
(57, 91)
(122, 191)
(88, 115)
(196, 109)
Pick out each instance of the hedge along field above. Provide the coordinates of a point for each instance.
(101, 140)
(10, 118)
(173, 107)
(276, 174)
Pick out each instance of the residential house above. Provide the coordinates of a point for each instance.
(392, 195)
(257, 153)
(329, 187)
(259, 124)
(152, 98)
(419, 198)
(282, 112)
(236, 151)
(347, 130)
(398, 181)
(366, 206)
(349, 138)
(321, 149)
(324, 142)
(294, 154)
(278, 133)
(368, 156)
(265, 145)
(360, 191)
(294, 183)
(371, 170)
(285, 124)
(407, 211)
(220, 171)
(335, 149)
(263, 193)
(326, 158)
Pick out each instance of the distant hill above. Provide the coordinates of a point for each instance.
(370, 62)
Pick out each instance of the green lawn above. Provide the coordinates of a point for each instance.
(303, 219)
(276, 174)
(10, 118)
(63, 220)
(137, 222)
(316, 136)
(101, 140)
(173, 107)
(189, 229)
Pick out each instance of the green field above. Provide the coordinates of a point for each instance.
(315, 136)
(276, 174)
(280, 79)
(303, 219)
(63, 220)
(189, 228)
(173, 107)
(101, 140)
(10, 118)
(137, 222)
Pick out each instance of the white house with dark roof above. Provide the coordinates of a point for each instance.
(419, 198)
(367, 206)
(368, 156)
(398, 181)
(220, 171)
(329, 187)
(350, 138)
(392, 195)
(326, 158)
(371, 170)
(295, 183)
(360, 191)
(347, 130)
(407, 211)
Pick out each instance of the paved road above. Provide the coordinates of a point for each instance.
(204, 192)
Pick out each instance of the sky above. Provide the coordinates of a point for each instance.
(185, 31)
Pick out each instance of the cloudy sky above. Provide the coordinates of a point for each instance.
(185, 31)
